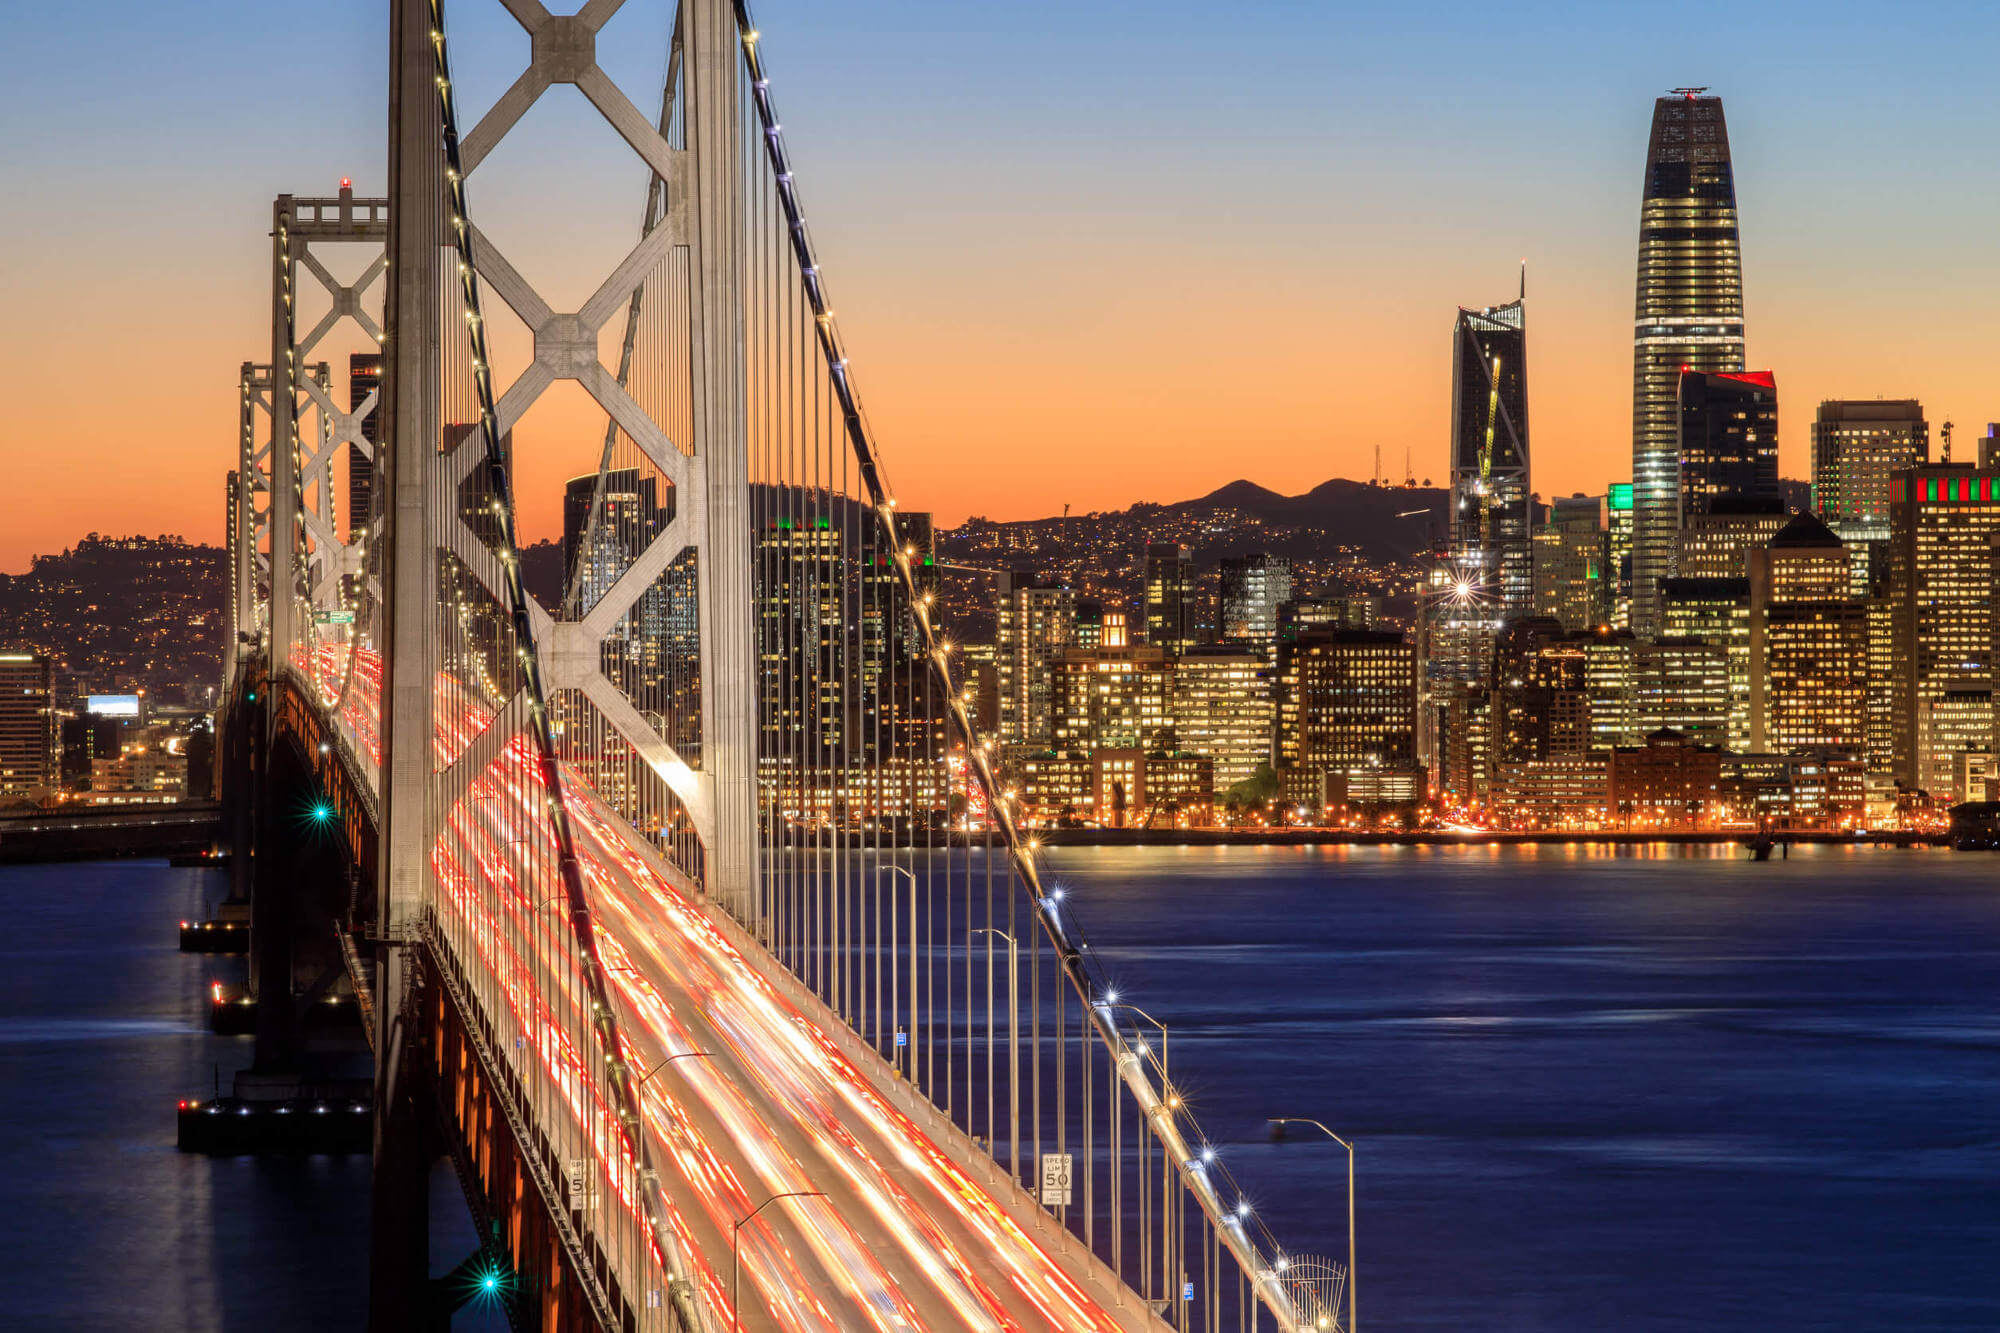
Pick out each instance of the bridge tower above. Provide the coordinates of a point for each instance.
(452, 600)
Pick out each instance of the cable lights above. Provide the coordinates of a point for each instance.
(624, 1092)
(1020, 849)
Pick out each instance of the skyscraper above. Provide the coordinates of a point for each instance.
(1857, 446)
(1688, 314)
(1490, 506)
(27, 727)
(364, 376)
(1942, 519)
(1169, 590)
(1253, 586)
(1728, 443)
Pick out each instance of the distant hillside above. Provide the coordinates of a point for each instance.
(1387, 523)
(122, 614)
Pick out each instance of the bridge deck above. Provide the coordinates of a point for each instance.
(917, 1229)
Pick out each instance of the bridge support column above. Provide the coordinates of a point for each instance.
(728, 632)
(399, 1256)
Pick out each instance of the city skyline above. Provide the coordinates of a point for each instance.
(947, 323)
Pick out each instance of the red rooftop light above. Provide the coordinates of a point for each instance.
(346, 183)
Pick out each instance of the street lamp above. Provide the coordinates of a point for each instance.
(1013, 1051)
(735, 1232)
(894, 999)
(667, 1060)
(1278, 1124)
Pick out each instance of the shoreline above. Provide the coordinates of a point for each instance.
(1438, 838)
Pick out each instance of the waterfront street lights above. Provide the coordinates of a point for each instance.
(735, 1232)
(1278, 1124)
(1013, 1052)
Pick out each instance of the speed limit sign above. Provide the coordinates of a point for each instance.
(1055, 1179)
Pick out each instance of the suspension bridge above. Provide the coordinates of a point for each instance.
(682, 904)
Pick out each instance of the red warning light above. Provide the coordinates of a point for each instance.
(346, 183)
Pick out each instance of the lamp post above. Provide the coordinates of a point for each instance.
(640, 1082)
(1278, 1124)
(736, 1231)
(1013, 1049)
(894, 1002)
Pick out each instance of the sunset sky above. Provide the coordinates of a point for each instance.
(1084, 253)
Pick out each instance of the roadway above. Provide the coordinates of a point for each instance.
(907, 1236)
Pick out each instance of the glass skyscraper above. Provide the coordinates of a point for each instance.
(1688, 315)
(1489, 465)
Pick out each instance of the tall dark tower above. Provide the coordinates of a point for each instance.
(364, 376)
(1689, 315)
(1489, 458)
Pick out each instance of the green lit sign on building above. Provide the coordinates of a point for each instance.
(1621, 496)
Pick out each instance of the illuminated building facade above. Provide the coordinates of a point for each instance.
(1941, 585)
(1688, 315)
(27, 724)
(1681, 685)
(1728, 442)
(1715, 611)
(1112, 698)
(1223, 707)
(1717, 544)
(1808, 645)
(1668, 782)
(1033, 623)
(1170, 595)
(1347, 701)
(1491, 504)
(1253, 587)
(1857, 446)
(1569, 557)
(1618, 554)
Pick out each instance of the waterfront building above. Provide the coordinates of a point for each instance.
(1814, 792)
(27, 725)
(1112, 699)
(1223, 707)
(1857, 446)
(1118, 788)
(1618, 555)
(1571, 792)
(1491, 498)
(1169, 597)
(1033, 623)
(1688, 314)
(1808, 645)
(1729, 442)
(150, 768)
(1569, 555)
(1943, 518)
(1682, 685)
(1347, 701)
(1668, 782)
(1252, 589)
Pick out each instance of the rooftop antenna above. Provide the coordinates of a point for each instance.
(1946, 433)
(1689, 93)
(1524, 280)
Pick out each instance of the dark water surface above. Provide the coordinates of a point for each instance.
(1590, 1091)
(1594, 1090)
